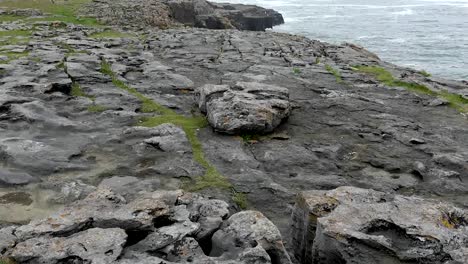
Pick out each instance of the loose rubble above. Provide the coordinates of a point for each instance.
(167, 226)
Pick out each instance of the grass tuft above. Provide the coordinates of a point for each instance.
(7, 260)
(296, 71)
(335, 73)
(78, 92)
(250, 138)
(456, 101)
(425, 73)
(240, 199)
(96, 108)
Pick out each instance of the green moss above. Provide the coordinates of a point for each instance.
(335, 73)
(11, 56)
(10, 18)
(212, 178)
(317, 60)
(14, 37)
(297, 71)
(111, 34)
(249, 138)
(240, 199)
(456, 101)
(78, 92)
(380, 73)
(96, 108)
(65, 11)
(36, 59)
(15, 33)
(106, 69)
(7, 260)
(387, 78)
(61, 65)
(425, 73)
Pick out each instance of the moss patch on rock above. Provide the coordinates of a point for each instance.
(456, 101)
(334, 72)
(212, 177)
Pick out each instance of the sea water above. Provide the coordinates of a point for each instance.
(429, 35)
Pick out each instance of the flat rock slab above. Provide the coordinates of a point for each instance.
(246, 107)
(353, 225)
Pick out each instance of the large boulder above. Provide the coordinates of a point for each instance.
(249, 17)
(156, 227)
(353, 225)
(246, 107)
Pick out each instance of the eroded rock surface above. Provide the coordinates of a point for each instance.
(163, 226)
(81, 109)
(352, 225)
(246, 107)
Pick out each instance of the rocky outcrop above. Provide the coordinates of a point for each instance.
(194, 13)
(81, 110)
(352, 225)
(158, 227)
(246, 107)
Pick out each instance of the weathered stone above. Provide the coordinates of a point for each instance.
(8, 177)
(357, 132)
(72, 191)
(94, 245)
(169, 137)
(245, 107)
(248, 229)
(382, 228)
(104, 228)
(7, 238)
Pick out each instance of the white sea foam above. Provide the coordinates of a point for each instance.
(397, 40)
(406, 12)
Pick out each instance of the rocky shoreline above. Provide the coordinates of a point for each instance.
(104, 125)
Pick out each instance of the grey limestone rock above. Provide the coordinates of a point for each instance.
(353, 225)
(247, 107)
(162, 226)
(94, 245)
(248, 229)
